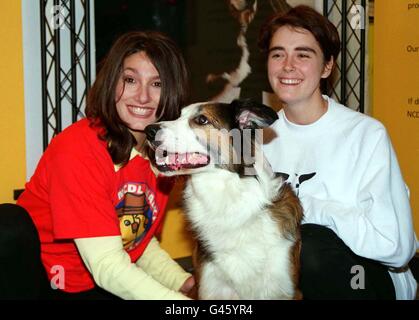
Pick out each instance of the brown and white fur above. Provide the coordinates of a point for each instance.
(247, 225)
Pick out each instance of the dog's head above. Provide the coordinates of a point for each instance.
(210, 135)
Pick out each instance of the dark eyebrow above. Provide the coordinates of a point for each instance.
(305, 49)
(136, 72)
(276, 48)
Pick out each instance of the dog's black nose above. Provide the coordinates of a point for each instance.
(151, 131)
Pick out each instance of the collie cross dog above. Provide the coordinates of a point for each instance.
(247, 220)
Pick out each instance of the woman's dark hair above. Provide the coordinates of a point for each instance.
(306, 18)
(101, 105)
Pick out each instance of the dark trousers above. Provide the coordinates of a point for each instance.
(22, 274)
(330, 270)
(326, 265)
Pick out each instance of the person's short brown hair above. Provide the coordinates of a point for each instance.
(101, 106)
(306, 18)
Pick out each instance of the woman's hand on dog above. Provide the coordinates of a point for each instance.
(189, 288)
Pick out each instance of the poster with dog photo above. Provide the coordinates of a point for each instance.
(222, 52)
(218, 39)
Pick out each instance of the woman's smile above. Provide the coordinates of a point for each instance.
(141, 112)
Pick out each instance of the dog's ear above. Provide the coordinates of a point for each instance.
(251, 114)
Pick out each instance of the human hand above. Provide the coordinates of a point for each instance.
(188, 288)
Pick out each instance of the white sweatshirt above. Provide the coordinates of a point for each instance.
(345, 171)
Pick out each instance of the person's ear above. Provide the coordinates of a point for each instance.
(328, 67)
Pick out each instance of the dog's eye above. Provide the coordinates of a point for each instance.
(201, 120)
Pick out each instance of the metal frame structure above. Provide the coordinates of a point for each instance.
(66, 78)
(349, 85)
(67, 70)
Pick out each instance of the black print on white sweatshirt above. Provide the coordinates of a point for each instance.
(298, 180)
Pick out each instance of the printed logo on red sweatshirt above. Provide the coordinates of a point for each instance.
(137, 210)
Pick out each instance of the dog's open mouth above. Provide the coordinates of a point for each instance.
(167, 161)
